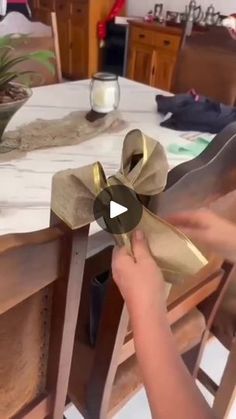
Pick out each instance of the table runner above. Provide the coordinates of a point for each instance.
(73, 129)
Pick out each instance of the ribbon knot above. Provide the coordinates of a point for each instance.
(144, 168)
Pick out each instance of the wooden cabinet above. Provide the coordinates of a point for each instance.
(41, 10)
(142, 64)
(43, 16)
(153, 52)
(79, 55)
(63, 26)
(163, 70)
(77, 22)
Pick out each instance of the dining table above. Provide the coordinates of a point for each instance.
(25, 194)
(26, 181)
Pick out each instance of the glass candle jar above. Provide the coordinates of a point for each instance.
(104, 92)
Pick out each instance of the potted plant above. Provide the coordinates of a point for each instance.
(14, 82)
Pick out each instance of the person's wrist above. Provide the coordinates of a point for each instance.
(146, 307)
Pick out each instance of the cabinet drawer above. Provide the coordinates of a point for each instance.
(46, 4)
(80, 11)
(142, 36)
(167, 42)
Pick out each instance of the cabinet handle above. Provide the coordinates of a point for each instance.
(141, 36)
(79, 10)
(153, 70)
(166, 42)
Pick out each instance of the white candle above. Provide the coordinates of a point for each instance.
(104, 97)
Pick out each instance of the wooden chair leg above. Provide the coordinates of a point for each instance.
(226, 393)
(190, 358)
(113, 328)
(209, 308)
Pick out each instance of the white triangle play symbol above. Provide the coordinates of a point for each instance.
(116, 209)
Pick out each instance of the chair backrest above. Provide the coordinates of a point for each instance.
(203, 181)
(39, 298)
(39, 37)
(207, 63)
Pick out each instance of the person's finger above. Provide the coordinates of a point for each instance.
(191, 220)
(193, 233)
(140, 246)
(120, 256)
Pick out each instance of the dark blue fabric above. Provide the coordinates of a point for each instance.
(17, 7)
(189, 114)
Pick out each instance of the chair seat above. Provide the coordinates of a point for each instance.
(188, 330)
(36, 37)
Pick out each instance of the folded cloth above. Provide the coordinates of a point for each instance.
(195, 113)
(192, 150)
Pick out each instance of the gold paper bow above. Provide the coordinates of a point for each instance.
(144, 169)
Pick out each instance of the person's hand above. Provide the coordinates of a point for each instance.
(232, 33)
(209, 230)
(138, 278)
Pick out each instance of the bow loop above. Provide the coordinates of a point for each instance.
(144, 164)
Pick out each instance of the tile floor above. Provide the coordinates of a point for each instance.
(213, 363)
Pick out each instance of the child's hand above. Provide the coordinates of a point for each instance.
(233, 33)
(139, 279)
(209, 230)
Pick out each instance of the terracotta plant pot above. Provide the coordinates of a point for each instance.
(8, 109)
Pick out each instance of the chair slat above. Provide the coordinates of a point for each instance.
(39, 37)
(27, 264)
(15, 22)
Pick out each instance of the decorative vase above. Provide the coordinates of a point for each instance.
(8, 109)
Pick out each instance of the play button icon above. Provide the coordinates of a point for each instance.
(117, 209)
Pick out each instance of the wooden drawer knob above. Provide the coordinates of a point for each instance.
(166, 42)
(142, 36)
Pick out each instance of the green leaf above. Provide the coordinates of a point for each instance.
(43, 57)
(9, 77)
(5, 40)
(13, 62)
(6, 79)
(31, 76)
(5, 54)
(13, 38)
(9, 59)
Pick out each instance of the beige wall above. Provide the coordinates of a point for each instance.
(141, 7)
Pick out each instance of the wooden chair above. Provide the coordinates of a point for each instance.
(40, 285)
(225, 393)
(207, 63)
(105, 376)
(39, 37)
(209, 181)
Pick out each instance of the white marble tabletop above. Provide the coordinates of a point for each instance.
(26, 183)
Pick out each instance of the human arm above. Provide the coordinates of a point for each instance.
(171, 391)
